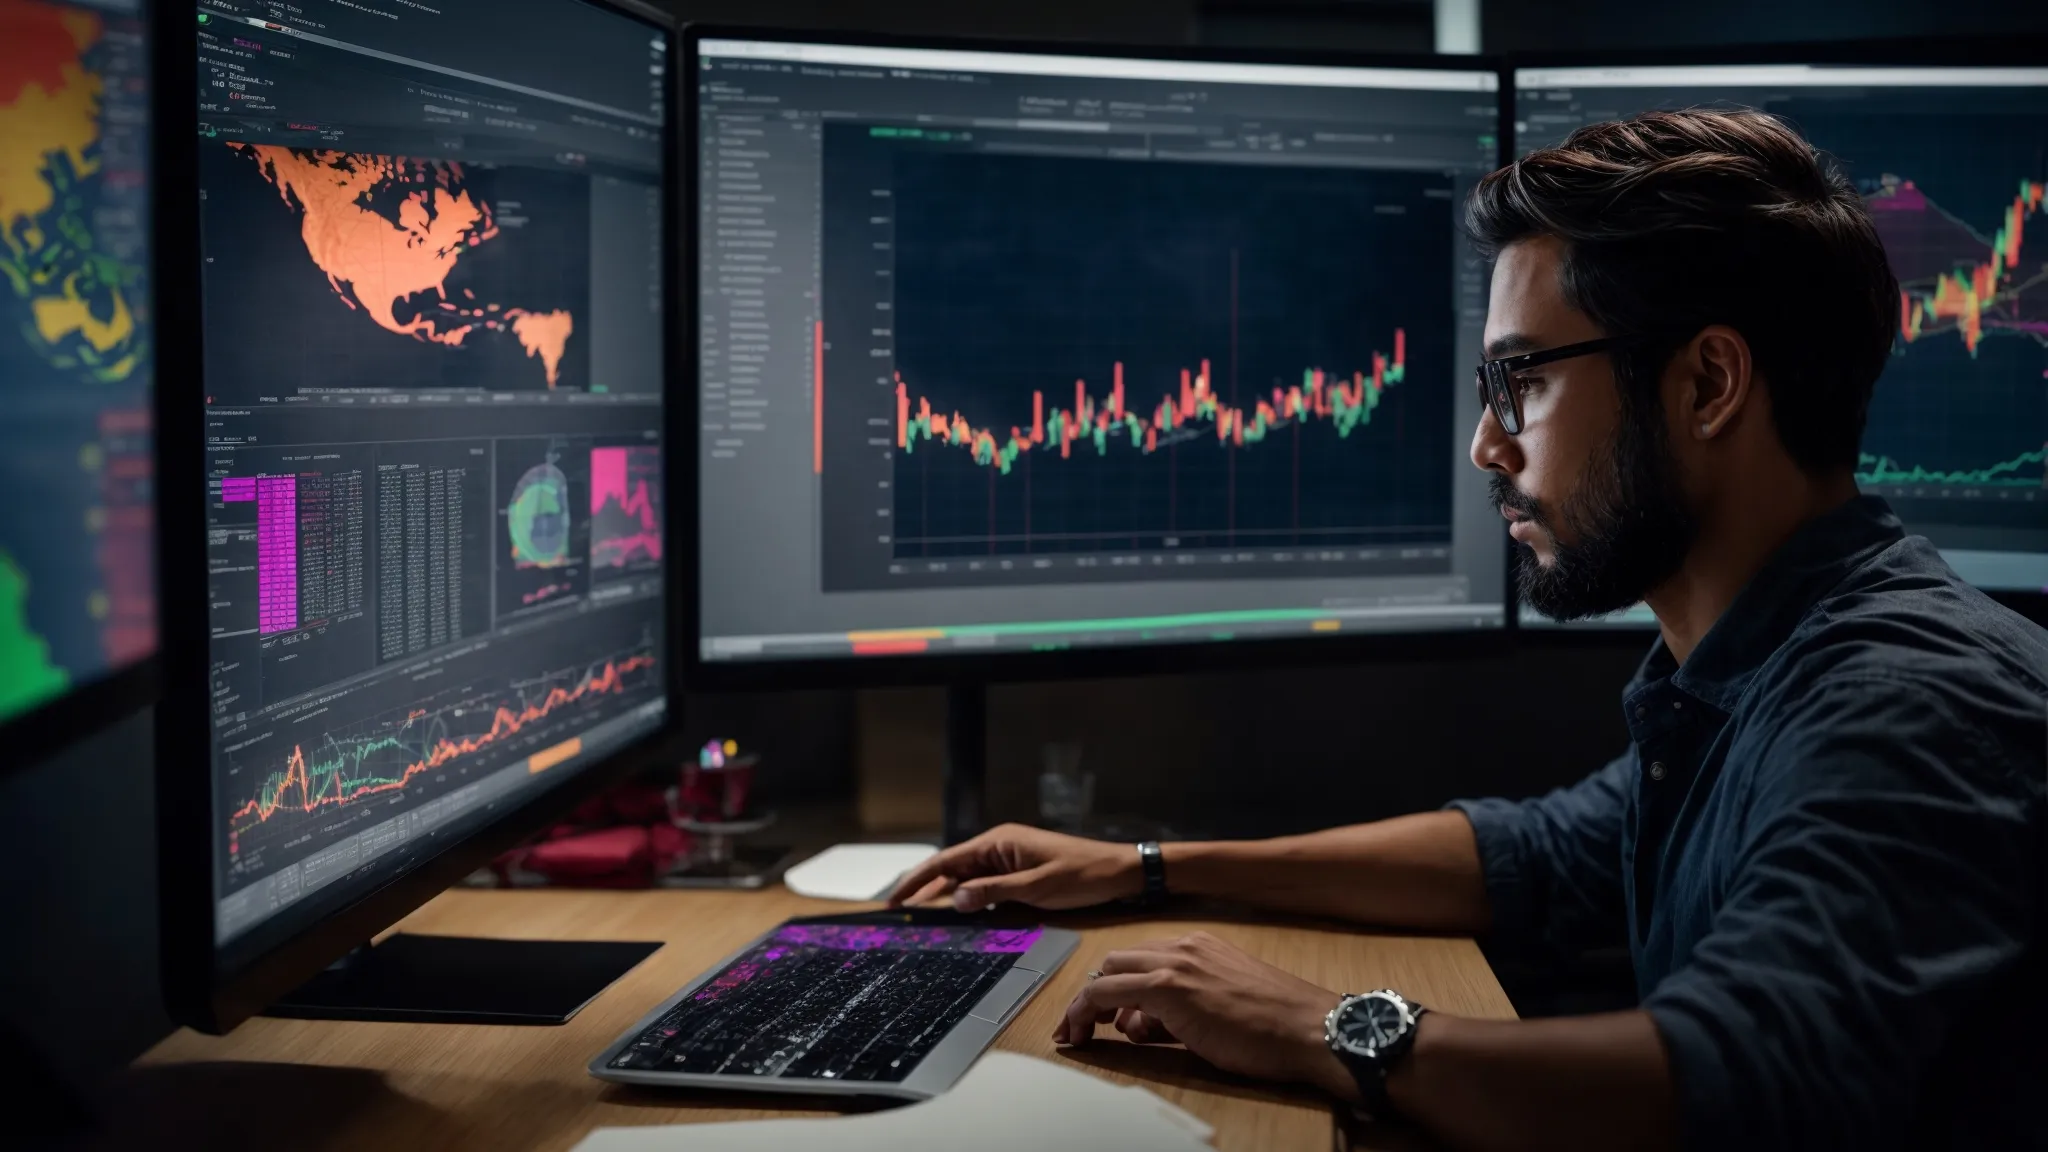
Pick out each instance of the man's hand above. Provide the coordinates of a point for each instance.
(1240, 1014)
(1027, 865)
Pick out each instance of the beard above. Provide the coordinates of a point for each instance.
(1629, 516)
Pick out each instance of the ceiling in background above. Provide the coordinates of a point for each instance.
(1330, 25)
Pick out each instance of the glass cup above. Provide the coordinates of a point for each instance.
(1066, 794)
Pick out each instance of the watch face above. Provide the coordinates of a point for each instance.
(1370, 1024)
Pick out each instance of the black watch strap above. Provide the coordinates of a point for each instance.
(1372, 1087)
(1153, 862)
(1371, 1074)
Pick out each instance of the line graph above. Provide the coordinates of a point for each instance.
(366, 766)
(337, 772)
(1176, 419)
(1872, 469)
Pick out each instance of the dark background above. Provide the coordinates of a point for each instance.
(76, 831)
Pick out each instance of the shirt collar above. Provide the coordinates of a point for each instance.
(1816, 558)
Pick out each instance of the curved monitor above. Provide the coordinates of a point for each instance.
(1953, 161)
(424, 515)
(1007, 350)
(77, 349)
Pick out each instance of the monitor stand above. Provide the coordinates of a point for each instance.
(463, 980)
(966, 767)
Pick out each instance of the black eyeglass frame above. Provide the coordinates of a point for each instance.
(1495, 379)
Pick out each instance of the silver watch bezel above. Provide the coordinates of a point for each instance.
(1343, 1047)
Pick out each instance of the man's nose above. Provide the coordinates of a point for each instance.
(1493, 450)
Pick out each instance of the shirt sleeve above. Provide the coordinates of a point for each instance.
(1554, 866)
(1883, 883)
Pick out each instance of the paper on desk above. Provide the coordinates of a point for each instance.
(1005, 1103)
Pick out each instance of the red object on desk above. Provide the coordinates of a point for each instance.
(625, 857)
(622, 839)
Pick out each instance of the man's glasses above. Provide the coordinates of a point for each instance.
(1496, 378)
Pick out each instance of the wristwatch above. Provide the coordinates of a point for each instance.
(1153, 864)
(1370, 1032)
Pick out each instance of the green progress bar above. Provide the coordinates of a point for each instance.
(1189, 620)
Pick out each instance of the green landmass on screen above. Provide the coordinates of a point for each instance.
(27, 677)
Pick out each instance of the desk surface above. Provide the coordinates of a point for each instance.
(388, 1086)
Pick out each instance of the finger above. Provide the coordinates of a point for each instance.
(1107, 994)
(1165, 944)
(1142, 1027)
(1020, 887)
(1125, 961)
(932, 891)
(1061, 1029)
(933, 867)
(977, 857)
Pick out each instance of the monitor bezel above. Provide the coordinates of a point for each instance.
(1957, 52)
(1019, 666)
(198, 991)
(84, 709)
(75, 715)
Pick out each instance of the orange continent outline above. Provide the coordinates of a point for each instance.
(374, 265)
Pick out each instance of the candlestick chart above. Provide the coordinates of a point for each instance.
(1961, 411)
(1345, 404)
(1099, 357)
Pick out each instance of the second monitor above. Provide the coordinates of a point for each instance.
(1005, 351)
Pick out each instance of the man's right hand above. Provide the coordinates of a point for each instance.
(1027, 865)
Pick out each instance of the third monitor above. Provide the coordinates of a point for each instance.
(1951, 162)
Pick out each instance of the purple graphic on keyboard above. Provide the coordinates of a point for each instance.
(866, 937)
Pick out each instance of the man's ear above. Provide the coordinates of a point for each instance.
(1719, 375)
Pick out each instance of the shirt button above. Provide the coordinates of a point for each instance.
(1642, 713)
(1656, 770)
(1677, 704)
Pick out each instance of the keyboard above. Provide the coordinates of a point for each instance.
(849, 1002)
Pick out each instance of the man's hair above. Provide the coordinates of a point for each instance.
(1672, 221)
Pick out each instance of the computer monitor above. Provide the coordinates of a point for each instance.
(77, 570)
(1953, 160)
(1014, 358)
(418, 479)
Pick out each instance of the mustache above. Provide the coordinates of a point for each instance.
(1504, 494)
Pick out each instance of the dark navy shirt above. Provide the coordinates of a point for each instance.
(1824, 849)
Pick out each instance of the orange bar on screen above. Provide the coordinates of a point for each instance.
(547, 758)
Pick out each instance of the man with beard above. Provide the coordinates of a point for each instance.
(1824, 847)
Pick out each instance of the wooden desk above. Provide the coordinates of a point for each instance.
(321, 1084)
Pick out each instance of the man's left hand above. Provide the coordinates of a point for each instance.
(1240, 1014)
